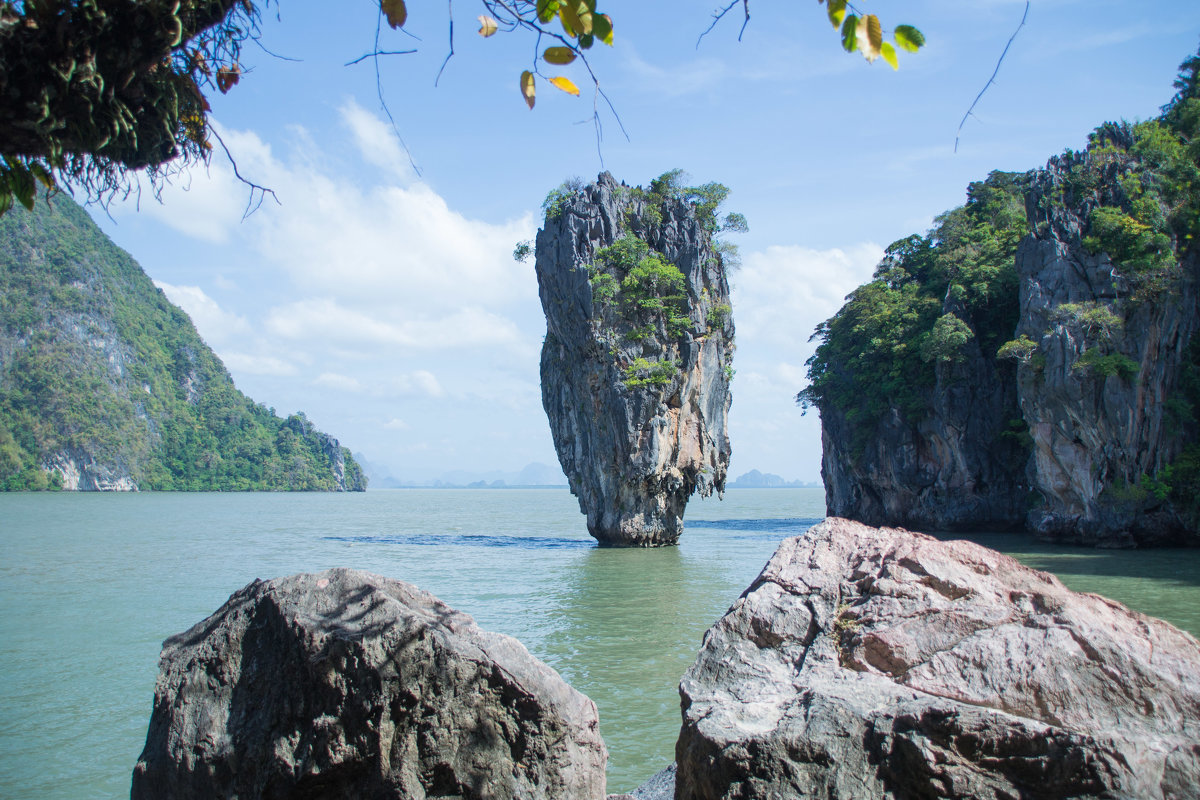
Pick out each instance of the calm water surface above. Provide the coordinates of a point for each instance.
(91, 584)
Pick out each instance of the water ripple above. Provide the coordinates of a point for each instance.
(467, 540)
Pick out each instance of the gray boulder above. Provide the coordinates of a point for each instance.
(870, 662)
(344, 684)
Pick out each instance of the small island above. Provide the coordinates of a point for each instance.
(638, 352)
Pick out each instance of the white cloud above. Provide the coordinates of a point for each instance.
(325, 320)
(214, 324)
(343, 383)
(782, 293)
(258, 364)
(376, 142)
(396, 424)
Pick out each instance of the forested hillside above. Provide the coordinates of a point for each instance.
(104, 384)
(1032, 360)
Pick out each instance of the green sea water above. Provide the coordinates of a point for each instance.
(91, 584)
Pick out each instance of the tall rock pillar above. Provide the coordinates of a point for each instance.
(637, 358)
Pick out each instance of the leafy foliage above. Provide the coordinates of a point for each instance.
(102, 366)
(91, 89)
(881, 350)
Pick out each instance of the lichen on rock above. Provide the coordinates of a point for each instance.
(637, 359)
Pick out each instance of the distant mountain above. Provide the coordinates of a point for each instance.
(766, 480)
(532, 474)
(105, 385)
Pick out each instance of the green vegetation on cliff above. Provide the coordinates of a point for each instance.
(930, 296)
(98, 368)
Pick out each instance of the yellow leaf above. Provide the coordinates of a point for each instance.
(487, 26)
(527, 88)
(395, 11)
(559, 55)
(889, 55)
(870, 37)
(566, 85)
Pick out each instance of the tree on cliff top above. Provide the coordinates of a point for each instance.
(91, 89)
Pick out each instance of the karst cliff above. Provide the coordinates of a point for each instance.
(107, 386)
(1032, 361)
(636, 363)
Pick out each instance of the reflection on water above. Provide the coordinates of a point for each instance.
(92, 584)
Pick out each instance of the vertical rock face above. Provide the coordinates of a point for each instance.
(951, 469)
(1111, 355)
(868, 662)
(635, 367)
(917, 411)
(1078, 416)
(348, 685)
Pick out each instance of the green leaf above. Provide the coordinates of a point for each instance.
(569, 16)
(602, 28)
(850, 33)
(546, 9)
(528, 89)
(909, 38)
(395, 11)
(889, 54)
(42, 174)
(559, 55)
(586, 41)
(23, 184)
(836, 11)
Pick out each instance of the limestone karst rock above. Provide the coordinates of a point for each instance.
(875, 662)
(637, 358)
(344, 684)
(1063, 394)
(1113, 345)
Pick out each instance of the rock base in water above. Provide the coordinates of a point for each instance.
(348, 685)
(868, 662)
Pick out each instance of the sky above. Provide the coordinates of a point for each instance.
(380, 297)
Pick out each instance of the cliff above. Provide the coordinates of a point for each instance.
(1113, 315)
(919, 419)
(1031, 360)
(105, 385)
(637, 358)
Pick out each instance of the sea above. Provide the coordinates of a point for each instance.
(91, 584)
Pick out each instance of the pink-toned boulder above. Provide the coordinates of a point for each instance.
(875, 662)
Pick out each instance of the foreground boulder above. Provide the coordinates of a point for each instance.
(348, 685)
(869, 662)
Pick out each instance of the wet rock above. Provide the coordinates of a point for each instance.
(344, 684)
(874, 662)
(635, 378)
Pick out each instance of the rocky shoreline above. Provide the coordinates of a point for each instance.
(863, 662)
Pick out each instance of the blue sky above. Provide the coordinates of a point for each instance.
(383, 300)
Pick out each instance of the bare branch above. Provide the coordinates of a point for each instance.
(262, 191)
(450, 12)
(379, 53)
(719, 15)
(992, 79)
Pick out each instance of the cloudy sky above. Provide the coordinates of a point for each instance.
(380, 296)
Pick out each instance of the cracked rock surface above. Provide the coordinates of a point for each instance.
(875, 662)
(344, 684)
